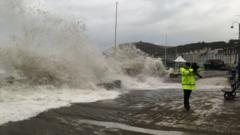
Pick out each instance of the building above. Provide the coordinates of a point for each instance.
(201, 52)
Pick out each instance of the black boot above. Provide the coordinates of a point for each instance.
(187, 94)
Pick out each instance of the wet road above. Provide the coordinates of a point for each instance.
(137, 112)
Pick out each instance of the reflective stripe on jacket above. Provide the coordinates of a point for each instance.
(188, 79)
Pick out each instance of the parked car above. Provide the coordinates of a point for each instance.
(215, 65)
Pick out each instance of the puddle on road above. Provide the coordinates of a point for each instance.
(129, 128)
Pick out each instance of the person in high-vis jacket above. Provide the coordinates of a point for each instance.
(188, 83)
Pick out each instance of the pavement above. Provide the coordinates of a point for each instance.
(138, 113)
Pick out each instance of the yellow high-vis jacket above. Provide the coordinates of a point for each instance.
(188, 79)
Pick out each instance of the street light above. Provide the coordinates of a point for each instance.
(116, 21)
(232, 26)
(165, 51)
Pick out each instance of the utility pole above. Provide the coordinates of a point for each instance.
(239, 31)
(116, 19)
(232, 26)
(176, 51)
(238, 28)
(176, 58)
(166, 49)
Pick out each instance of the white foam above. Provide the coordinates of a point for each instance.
(149, 83)
(156, 83)
(19, 103)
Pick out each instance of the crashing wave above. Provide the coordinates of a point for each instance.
(47, 49)
(133, 62)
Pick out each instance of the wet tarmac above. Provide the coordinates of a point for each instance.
(157, 112)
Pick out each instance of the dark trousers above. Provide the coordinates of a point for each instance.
(187, 94)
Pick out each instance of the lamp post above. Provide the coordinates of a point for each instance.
(165, 51)
(176, 51)
(232, 26)
(115, 32)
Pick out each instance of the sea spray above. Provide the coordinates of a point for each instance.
(50, 50)
(47, 49)
(137, 70)
(133, 62)
(42, 51)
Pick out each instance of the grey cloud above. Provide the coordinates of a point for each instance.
(184, 21)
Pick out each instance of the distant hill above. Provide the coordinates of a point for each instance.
(159, 50)
(149, 48)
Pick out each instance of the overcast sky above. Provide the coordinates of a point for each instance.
(183, 21)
